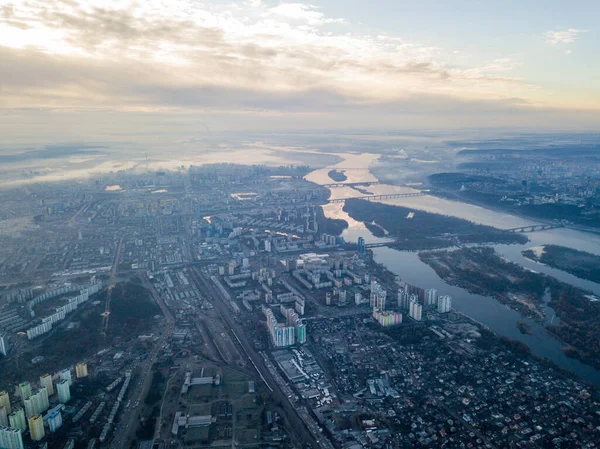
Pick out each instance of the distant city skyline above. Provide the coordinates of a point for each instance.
(83, 66)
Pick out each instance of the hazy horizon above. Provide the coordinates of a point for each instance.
(93, 69)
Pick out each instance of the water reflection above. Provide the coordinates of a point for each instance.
(486, 310)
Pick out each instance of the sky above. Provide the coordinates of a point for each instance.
(95, 67)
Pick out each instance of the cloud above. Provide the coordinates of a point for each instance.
(301, 12)
(181, 53)
(568, 36)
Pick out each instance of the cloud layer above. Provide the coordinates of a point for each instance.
(242, 57)
(144, 54)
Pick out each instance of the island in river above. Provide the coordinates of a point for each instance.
(481, 270)
(578, 263)
(337, 175)
(419, 230)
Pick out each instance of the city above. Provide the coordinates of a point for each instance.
(202, 316)
(280, 224)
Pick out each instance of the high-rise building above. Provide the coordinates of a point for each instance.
(4, 343)
(37, 402)
(25, 390)
(46, 381)
(300, 332)
(387, 319)
(378, 296)
(36, 427)
(285, 335)
(10, 438)
(30, 407)
(81, 370)
(55, 421)
(343, 297)
(64, 391)
(444, 304)
(5, 401)
(415, 310)
(431, 295)
(66, 375)
(17, 419)
(403, 299)
(357, 298)
(43, 399)
(3, 417)
(361, 245)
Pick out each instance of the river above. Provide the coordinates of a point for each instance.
(486, 310)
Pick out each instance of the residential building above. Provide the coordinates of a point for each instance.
(30, 407)
(64, 391)
(415, 310)
(444, 304)
(37, 403)
(431, 296)
(17, 419)
(3, 417)
(66, 375)
(46, 381)
(5, 401)
(388, 318)
(10, 438)
(25, 390)
(81, 370)
(36, 427)
(378, 296)
(55, 421)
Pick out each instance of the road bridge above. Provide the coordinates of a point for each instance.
(379, 245)
(535, 228)
(379, 197)
(351, 184)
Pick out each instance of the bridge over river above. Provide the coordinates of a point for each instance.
(522, 229)
(536, 228)
(351, 184)
(379, 197)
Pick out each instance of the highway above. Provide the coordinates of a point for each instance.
(295, 422)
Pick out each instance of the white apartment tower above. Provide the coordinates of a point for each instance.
(64, 391)
(444, 304)
(431, 296)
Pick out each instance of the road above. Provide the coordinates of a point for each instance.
(139, 388)
(296, 424)
(113, 272)
(141, 385)
(157, 298)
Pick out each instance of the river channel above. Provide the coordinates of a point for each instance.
(486, 310)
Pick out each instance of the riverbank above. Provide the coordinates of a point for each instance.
(496, 206)
(419, 230)
(481, 271)
(582, 264)
(484, 309)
